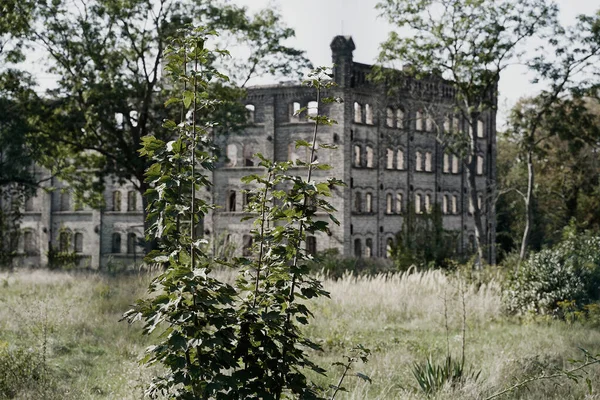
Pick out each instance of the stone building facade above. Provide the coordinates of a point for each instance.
(389, 154)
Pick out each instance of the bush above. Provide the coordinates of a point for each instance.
(570, 271)
(334, 266)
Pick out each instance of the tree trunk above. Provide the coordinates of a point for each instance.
(528, 208)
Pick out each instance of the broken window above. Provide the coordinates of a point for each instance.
(400, 159)
(369, 114)
(445, 204)
(454, 205)
(369, 157)
(388, 203)
(231, 201)
(369, 203)
(357, 113)
(418, 204)
(389, 158)
(419, 161)
(356, 155)
(399, 203)
(427, 203)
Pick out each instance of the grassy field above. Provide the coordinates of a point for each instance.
(60, 337)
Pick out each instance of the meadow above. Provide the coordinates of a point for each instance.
(61, 337)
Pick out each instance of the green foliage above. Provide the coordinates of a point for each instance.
(423, 241)
(432, 377)
(224, 341)
(335, 266)
(568, 272)
(358, 353)
(20, 370)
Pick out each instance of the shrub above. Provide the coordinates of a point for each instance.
(570, 271)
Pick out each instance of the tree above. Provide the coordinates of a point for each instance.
(557, 109)
(468, 42)
(108, 55)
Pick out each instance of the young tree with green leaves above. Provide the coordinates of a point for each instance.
(469, 43)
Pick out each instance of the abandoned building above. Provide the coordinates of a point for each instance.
(389, 154)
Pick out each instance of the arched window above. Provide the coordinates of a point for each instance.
(369, 248)
(248, 155)
(429, 123)
(447, 123)
(232, 155)
(471, 206)
(357, 248)
(357, 202)
(29, 245)
(65, 201)
(369, 203)
(116, 243)
(356, 155)
(246, 245)
(250, 112)
(455, 124)
(116, 200)
(418, 209)
(357, 113)
(294, 111)
(445, 204)
(389, 247)
(454, 164)
(446, 163)
(428, 161)
(78, 242)
(369, 156)
(231, 201)
(419, 120)
(400, 159)
(388, 203)
(312, 109)
(399, 203)
(479, 201)
(479, 165)
(480, 129)
(399, 118)
(311, 245)
(369, 114)
(419, 161)
(428, 203)
(454, 204)
(64, 241)
(131, 243)
(389, 117)
(131, 200)
(389, 158)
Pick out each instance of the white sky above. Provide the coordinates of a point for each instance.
(316, 22)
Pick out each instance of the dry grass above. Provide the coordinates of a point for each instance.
(401, 318)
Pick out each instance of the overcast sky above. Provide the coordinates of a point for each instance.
(316, 22)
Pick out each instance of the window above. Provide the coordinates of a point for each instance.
(357, 248)
(446, 163)
(400, 159)
(399, 203)
(389, 158)
(388, 203)
(312, 109)
(311, 245)
(389, 247)
(445, 204)
(429, 123)
(369, 203)
(29, 245)
(479, 165)
(369, 248)
(389, 117)
(479, 201)
(419, 121)
(250, 112)
(248, 155)
(231, 201)
(116, 199)
(480, 129)
(294, 110)
(399, 118)
(248, 197)
(369, 114)
(369, 157)
(419, 161)
(65, 201)
(64, 241)
(357, 113)
(357, 202)
(428, 161)
(232, 155)
(131, 200)
(454, 205)
(454, 164)
(246, 245)
(471, 206)
(427, 203)
(131, 243)
(418, 204)
(455, 124)
(116, 243)
(78, 242)
(356, 155)
(29, 206)
(447, 123)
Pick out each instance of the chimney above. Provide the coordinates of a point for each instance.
(341, 56)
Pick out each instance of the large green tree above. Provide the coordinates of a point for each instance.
(470, 43)
(108, 56)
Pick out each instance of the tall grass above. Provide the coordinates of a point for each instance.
(91, 355)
